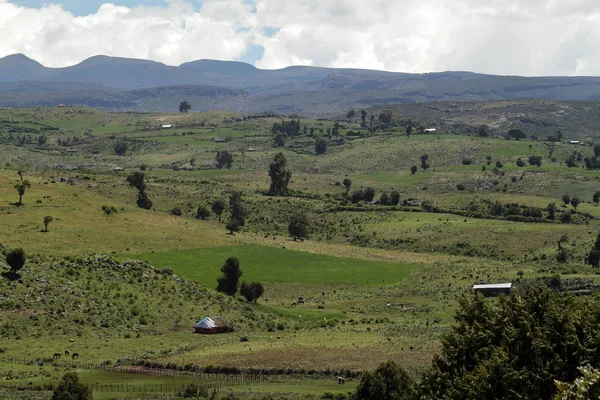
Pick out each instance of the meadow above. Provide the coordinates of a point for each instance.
(83, 281)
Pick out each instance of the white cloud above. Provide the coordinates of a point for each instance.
(525, 37)
(173, 34)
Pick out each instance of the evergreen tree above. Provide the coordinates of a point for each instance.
(280, 176)
(228, 283)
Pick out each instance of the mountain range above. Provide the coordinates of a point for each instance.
(116, 84)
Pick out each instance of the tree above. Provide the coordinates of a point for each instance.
(575, 201)
(252, 291)
(483, 131)
(144, 201)
(347, 184)
(21, 187)
(320, 146)
(520, 162)
(409, 130)
(388, 381)
(350, 114)
(357, 196)
(516, 134)
(20, 173)
(385, 117)
(586, 387)
(233, 225)
(228, 283)
(16, 260)
(395, 198)
(551, 208)
(424, 162)
(184, 107)
(280, 176)
(369, 194)
(279, 140)
(70, 388)
(363, 118)
(121, 148)
(202, 213)
(136, 180)
(596, 198)
(224, 159)
(566, 199)
(514, 347)
(298, 226)
(535, 160)
(596, 150)
(413, 169)
(238, 212)
(594, 255)
(384, 199)
(47, 221)
(218, 206)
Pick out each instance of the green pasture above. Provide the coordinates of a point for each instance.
(271, 264)
(400, 179)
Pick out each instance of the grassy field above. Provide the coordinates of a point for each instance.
(418, 257)
(268, 264)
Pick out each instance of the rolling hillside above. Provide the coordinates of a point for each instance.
(107, 83)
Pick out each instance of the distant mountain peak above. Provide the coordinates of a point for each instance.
(19, 59)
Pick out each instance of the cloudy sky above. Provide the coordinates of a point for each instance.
(507, 37)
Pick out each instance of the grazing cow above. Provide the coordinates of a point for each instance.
(293, 304)
(75, 355)
(389, 305)
(300, 300)
(321, 307)
(341, 380)
(56, 355)
(66, 352)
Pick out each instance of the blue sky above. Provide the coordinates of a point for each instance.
(85, 7)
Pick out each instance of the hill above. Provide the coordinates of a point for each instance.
(305, 90)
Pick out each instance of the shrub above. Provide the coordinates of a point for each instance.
(70, 388)
(109, 210)
(252, 291)
(467, 161)
(192, 390)
(203, 213)
(16, 259)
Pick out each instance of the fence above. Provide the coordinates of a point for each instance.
(209, 381)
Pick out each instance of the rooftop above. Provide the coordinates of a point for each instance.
(493, 286)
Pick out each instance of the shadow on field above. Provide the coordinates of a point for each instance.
(11, 276)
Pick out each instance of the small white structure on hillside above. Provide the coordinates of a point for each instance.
(430, 130)
(493, 289)
(573, 141)
(167, 126)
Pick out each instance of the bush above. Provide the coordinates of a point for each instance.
(176, 211)
(193, 390)
(252, 291)
(389, 381)
(70, 388)
(202, 213)
(109, 210)
(16, 260)
(467, 161)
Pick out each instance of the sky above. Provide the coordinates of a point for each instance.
(504, 37)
